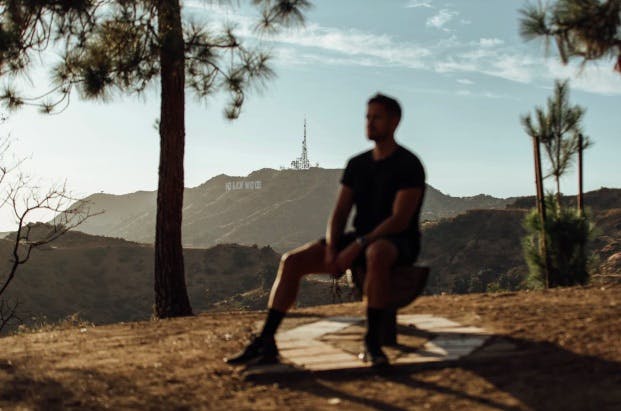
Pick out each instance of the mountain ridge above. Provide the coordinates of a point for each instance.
(280, 208)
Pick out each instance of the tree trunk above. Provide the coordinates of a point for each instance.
(541, 207)
(580, 192)
(558, 193)
(538, 180)
(171, 297)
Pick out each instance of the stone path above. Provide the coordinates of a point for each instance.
(332, 343)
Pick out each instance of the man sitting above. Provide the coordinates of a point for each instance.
(387, 186)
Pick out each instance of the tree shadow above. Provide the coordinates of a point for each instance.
(38, 393)
(80, 389)
(538, 375)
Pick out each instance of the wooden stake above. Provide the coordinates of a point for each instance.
(541, 208)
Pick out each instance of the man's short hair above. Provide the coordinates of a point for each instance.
(391, 105)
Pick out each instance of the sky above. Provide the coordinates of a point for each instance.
(459, 68)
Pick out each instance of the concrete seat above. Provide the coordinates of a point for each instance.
(406, 284)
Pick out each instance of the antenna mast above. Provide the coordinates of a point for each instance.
(302, 162)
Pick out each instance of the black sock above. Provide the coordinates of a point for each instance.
(273, 320)
(375, 318)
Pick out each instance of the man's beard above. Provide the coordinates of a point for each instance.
(376, 137)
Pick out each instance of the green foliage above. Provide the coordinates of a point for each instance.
(479, 281)
(567, 233)
(117, 45)
(586, 29)
(511, 280)
(488, 280)
(558, 128)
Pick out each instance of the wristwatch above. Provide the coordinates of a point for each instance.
(362, 241)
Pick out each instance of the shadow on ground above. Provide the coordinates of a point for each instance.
(539, 376)
(86, 389)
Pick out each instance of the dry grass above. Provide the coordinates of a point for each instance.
(569, 338)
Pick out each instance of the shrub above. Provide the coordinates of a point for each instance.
(567, 233)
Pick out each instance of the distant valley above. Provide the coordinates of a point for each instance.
(109, 280)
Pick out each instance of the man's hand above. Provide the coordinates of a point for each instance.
(330, 258)
(346, 257)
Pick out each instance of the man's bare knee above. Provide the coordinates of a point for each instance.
(297, 262)
(288, 263)
(380, 254)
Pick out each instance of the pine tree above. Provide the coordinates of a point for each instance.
(124, 46)
(560, 257)
(586, 29)
(558, 129)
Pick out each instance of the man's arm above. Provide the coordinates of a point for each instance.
(405, 205)
(338, 219)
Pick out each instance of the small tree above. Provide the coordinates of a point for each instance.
(24, 200)
(120, 45)
(559, 130)
(586, 29)
(537, 133)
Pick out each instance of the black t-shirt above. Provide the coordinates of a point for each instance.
(375, 185)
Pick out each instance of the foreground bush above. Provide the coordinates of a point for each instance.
(567, 234)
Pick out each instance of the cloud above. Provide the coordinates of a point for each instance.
(512, 67)
(599, 78)
(516, 68)
(313, 41)
(413, 4)
(292, 56)
(524, 65)
(315, 44)
(383, 48)
(490, 42)
(461, 93)
(441, 18)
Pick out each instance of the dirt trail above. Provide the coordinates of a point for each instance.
(571, 338)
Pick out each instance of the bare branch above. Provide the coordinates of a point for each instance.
(8, 313)
(26, 200)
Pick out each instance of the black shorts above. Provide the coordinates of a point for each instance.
(407, 248)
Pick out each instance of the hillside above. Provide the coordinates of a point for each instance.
(479, 247)
(290, 207)
(568, 358)
(596, 200)
(110, 280)
(470, 251)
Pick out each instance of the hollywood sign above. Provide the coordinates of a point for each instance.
(242, 185)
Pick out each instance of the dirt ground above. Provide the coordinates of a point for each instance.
(569, 342)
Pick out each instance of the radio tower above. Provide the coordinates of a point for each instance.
(302, 162)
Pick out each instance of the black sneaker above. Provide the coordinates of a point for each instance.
(260, 351)
(374, 355)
